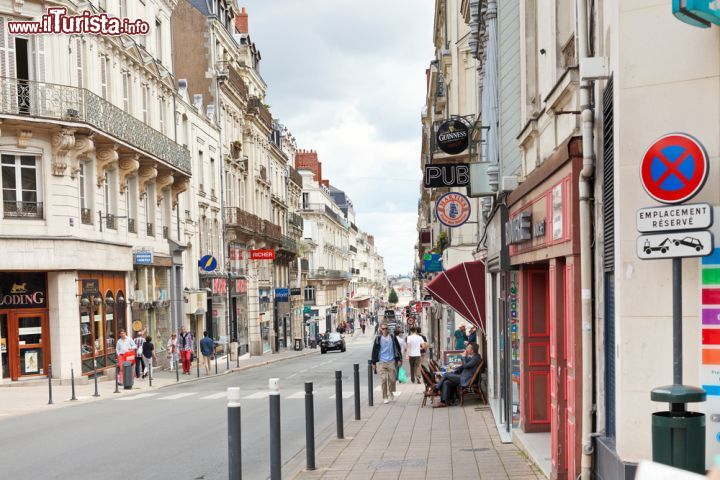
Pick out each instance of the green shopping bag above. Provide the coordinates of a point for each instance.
(402, 376)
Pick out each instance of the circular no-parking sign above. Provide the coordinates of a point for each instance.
(674, 168)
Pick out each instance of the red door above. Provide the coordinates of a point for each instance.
(536, 352)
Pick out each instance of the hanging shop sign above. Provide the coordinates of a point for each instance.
(90, 286)
(452, 209)
(282, 294)
(453, 137)
(208, 263)
(432, 262)
(264, 254)
(517, 229)
(295, 292)
(674, 218)
(446, 175)
(22, 290)
(674, 168)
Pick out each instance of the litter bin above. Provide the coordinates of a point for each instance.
(127, 375)
(298, 344)
(678, 436)
(313, 343)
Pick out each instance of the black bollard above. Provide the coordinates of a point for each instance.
(197, 364)
(96, 394)
(370, 383)
(237, 356)
(234, 434)
(50, 400)
(150, 360)
(216, 363)
(338, 404)
(117, 377)
(275, 458)
(72, 383)
(227, 356)
(356, 381)
(309, 426)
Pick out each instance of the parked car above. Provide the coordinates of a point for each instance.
(332, 341)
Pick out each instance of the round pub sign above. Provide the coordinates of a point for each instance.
(453, 137)
(453, 209)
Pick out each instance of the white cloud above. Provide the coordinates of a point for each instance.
(348, 79)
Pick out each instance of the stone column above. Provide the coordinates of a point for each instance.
(64, 319)
(254, 337)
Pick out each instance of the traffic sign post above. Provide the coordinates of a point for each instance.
(672, 171)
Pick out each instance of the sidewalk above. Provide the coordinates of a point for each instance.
(23, 399)
(403, 441)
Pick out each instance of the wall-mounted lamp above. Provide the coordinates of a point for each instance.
(97, 301)
(109, 300)
(85, 302)
(120, 298)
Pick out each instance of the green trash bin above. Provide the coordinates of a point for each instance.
(678, 436)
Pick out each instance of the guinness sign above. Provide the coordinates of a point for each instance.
(452, 137)
(22, 290)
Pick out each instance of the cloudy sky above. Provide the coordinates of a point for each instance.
(348, 79)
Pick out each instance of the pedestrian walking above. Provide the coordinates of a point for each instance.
(460, 338)
(139, 357)
(185, 348)
(207, 350)
(415, 344)
(149, 355)
(172, 350)
(125, 350)
(386, 352)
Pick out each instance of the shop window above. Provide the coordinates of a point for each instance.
(21, 186)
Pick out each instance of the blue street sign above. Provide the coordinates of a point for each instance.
(432, 263)
(282, 294)
(698, 13)
(143, 257)
(208, 263)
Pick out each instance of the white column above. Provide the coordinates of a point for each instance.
(64, 324)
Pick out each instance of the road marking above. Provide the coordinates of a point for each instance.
(256, 396)
(297, 395)
(344, 395)
(303, 370)
(293, 375)
(137, 397)
(215, 396)
(178, 395)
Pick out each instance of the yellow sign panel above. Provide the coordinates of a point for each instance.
(137, 325)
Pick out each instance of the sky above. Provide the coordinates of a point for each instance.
(348, 79)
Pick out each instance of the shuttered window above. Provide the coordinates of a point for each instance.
(608, 191)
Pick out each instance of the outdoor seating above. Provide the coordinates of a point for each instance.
(429, 386)
(474, 388)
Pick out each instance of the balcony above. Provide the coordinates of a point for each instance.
(272, 231)
(257, 107)
(322, 208)
(78, 105)
(288, 244)
(150, 230)
(295, 177)
(295, 220)
(30, 210)
(86, 216)
(237, 217)
(353, 249)
(233, 79)
(132, 226)
(329, 275)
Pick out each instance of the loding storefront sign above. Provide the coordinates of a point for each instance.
(23, 290)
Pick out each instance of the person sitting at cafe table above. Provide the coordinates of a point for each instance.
(462, 375)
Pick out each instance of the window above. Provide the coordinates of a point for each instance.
(306, 200)
(201, 171)
(158, 40)
(131, 204)
(85, 193)
(105, 77)
(123, 9)
(212, 176)
(162, 115)
(21, 186)
(150, 210)
(145, 100)
(127, 91)
(79, 62)
(310, 293)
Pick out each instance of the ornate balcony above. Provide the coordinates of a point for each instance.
(239, 218)
(31, 210)
(271, 231)
(233, 79)
(295, 177)
(321, 274)
(150, 230)
(257, 107)
(78, 105)
(132, 226)
(295, 220)
(288, 244)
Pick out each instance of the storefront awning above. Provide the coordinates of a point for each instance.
(462, 287)
(360, 298)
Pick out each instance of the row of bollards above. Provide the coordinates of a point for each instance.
(234, 422)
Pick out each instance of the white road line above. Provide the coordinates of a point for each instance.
(178, 395)
(256, 396)
(137, 397)
(297, 395)
(293, 375)
(215, 396)
(344, 395)
(303, 370)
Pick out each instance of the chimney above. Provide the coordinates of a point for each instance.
(241, 22)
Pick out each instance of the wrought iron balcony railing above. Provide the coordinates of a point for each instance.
(132, 226)
(295, 177)
(73, 104)
(329, 275)
(295, 220)
(86, 216)
(272, 231)
(256, 106)
(166, 232)
(353, 249)
(111, 222)
(238, 217)
(234, 80)
(33, 210)
(322, 208)
(150, 230)
(288, 244)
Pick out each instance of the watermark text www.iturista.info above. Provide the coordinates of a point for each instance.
(57, 20)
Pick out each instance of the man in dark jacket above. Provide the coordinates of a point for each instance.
(207, 348)
(386, 351)
(461, 376)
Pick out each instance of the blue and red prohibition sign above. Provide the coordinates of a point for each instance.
(674, 168)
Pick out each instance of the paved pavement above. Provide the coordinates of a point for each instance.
(178, 431)
(403, 441)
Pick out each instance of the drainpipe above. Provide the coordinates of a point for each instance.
(585, 191)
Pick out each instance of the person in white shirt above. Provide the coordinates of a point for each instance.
(414, 345)
(125, 347)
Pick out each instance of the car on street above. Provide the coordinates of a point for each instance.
(332, 341)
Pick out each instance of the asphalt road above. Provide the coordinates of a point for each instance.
(180, 432)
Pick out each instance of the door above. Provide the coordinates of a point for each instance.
(24, 344)
(536, 352)
(4, 343)
(558, 369)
